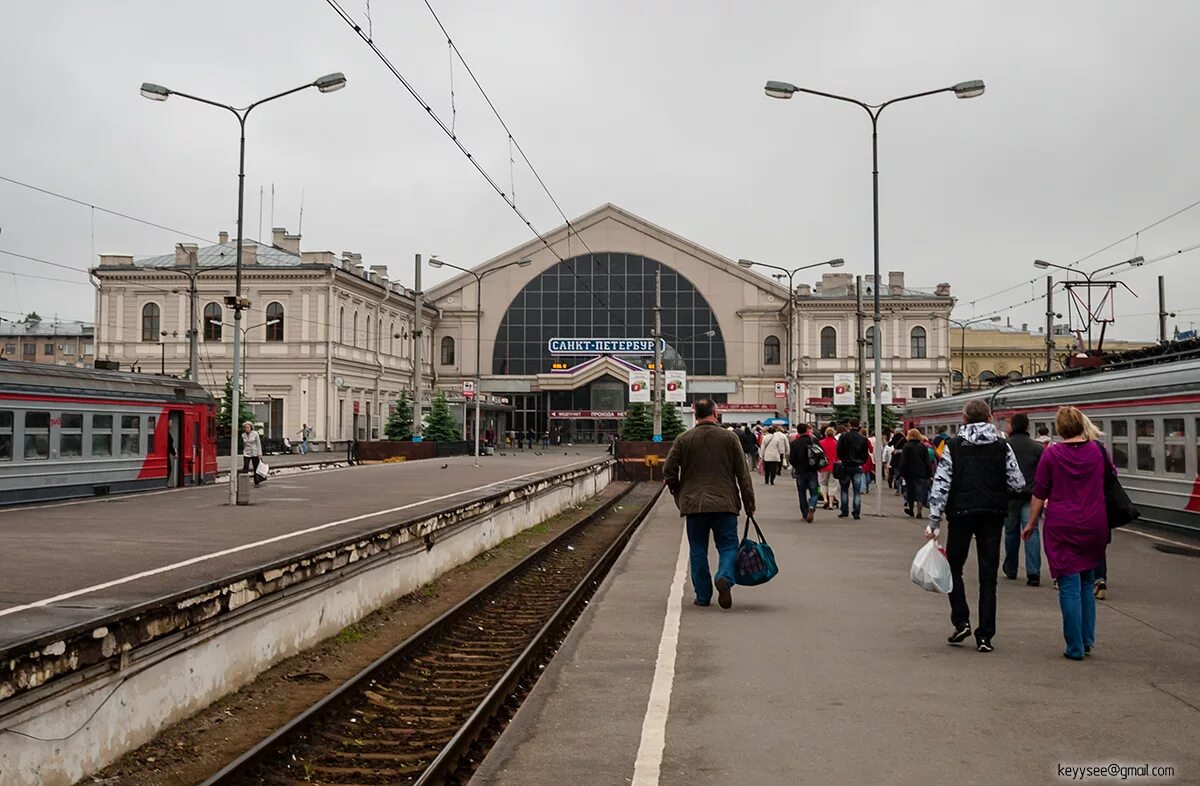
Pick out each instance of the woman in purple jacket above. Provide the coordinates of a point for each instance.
(1070, 477)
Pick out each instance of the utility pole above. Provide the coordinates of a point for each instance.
(1162, 311)
(1049, 324)
(657, 386)
(193, 347)
(862, 343)
(418, 333)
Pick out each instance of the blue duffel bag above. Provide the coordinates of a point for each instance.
(755, 562)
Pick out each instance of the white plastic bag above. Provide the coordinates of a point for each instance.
(262, 470)
(931, 569)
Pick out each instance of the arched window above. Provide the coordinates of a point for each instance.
(212, 322)
(771, 351)
(354, 330)
(367, 327)
(150, 315)
(274, 322)
(917, 342)
(828, 342)
(342, 325)
(447, 351)
(987, 377)
(956, 375)
(1013, 375)
(869, 345)
(392, 340)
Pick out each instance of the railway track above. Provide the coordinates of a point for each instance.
(427, 712)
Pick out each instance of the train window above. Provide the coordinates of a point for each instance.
(70, 435)
(1173, 427)
(1144, 431)
(37, 435)
(131, 435)
(1174, 453)
(1120, 455)
(102, 438)
(1145, 428)
(1145, 457)
(6, 435)
(1119, 428)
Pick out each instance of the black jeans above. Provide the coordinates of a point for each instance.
(771, 471)
(247, 461)
(988, 530)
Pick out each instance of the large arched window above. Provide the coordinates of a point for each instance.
(354, 330)
(869, 345)
(917, 347)
(987, 377)
(342, 325)
(212, 322)
(447, 351)
(828, 342)
(274, 322)
(956, 375)
(150, 317)
(771, 351)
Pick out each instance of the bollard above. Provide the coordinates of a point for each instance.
(243, 489)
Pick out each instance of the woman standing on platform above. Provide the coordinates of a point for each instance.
(1070, 476)
(251, 450)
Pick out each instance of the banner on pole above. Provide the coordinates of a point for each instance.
(885, 385)
(677, 386)
(780, 390)
(639, 386)
(843, 390)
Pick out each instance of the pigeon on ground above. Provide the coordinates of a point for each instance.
(445, 466)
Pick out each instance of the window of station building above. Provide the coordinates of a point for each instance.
(131, 435)
(10, 349)
(1013, 376)
(986, 377)
(447, 351)
(70, 435)
(354, 330)
(102, 437)
(212, 322)
(275, 322)
(605, 295)
(48, 349)
(1144, 431)
(869, 345)
(771, 351)
(367, 327)
(917, 347)
(342, 325)
(6, 435)
(379, 335)
(826, 392)
(37, 435)
(29, 349)
(150, 316)
(1174, 451)
(392, 340)
(956, 376)
(828, 342)
(920, 392)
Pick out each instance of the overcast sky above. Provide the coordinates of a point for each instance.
(1086, 134)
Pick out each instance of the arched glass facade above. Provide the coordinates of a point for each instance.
(608, 295)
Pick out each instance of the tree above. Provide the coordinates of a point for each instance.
(439, 424)
(638, 423)
(400, 422)
(244, 411)
(672, 424)
(32, 318)
(844, 413)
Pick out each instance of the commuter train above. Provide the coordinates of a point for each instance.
(70, 432)
(1149, 416)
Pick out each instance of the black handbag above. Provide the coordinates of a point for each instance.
(1117, 505)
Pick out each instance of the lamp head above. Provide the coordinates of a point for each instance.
(331, 82)
(155, 92)
(1136, 261)
(272, 322)
(780, 89)
(993, 319)
(836, 262)
(971, 89)
(524, 262)
(711, 333)
(746, 263)
(1041, 263)
(435, 262)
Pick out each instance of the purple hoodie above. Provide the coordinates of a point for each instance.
(1070, 477)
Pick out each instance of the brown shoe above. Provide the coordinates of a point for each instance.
(811, 512)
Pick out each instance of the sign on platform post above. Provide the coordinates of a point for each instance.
(843, 390)
(885, 384)
(468, 388)
(639, 386)
(677, 386)
(780, 390)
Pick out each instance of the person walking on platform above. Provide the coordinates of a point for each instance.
(825, 478)
(915, 468)
(749, 446)
(251, 450)
(774, 449)
(1070, 477)
(853, 450)
(970, 487)
(707, 475)
(807, 458)
(1028, 451)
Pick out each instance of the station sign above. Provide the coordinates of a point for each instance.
(604, 346)
(576, 414)
(468, 388)
(780, 390)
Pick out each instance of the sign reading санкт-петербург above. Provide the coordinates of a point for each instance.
(603, 346)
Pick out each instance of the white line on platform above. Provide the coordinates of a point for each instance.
(648, 765)
(1156, 537)
(247, 546)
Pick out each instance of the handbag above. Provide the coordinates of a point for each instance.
(755, 560)
(1119, 509)
(839, 469)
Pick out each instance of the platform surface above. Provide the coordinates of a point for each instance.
(838, 671)
(71, 562)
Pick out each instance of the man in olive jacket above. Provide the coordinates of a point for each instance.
(707, 474)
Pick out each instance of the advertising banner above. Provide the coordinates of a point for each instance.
(780, 390)
(843, 390)
(677, 386)
(639, 386)
(885, 384)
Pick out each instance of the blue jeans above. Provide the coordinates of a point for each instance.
(808, 489)
(724, 528)
(856, 478)
(1018, 517)
(1078, 611)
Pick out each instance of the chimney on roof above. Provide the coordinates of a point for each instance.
(380, 270)
(116, 260)
(223, 237)
(942, 290)
(1008, 322)
(896, 283)
(317, 257)
(285, 242)
(249, 252)
(185, 254)
(803, 290)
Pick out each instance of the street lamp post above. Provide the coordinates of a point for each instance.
(785, 90)
(326, 84)
(1089, 278)
(435, 262)
(793, 408)
(962, 346)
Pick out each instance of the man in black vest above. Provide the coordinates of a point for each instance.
(974, 475)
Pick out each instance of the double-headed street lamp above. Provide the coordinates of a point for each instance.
(326, 84)
(1088, 277)
(962, 350)
(971, 89)
(791, 274)
(435, 262)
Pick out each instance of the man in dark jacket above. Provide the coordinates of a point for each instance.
(853, 451)
(971, 485)
(706, 473)
(805, 468)
(1028, 451)
(749, 445)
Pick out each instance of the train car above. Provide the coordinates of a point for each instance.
(1149, 415)
(70, 432)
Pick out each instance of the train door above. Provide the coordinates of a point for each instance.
(174, 448)
(197, 454)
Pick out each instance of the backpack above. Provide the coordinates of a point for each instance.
(816, 456)
(939, 449)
